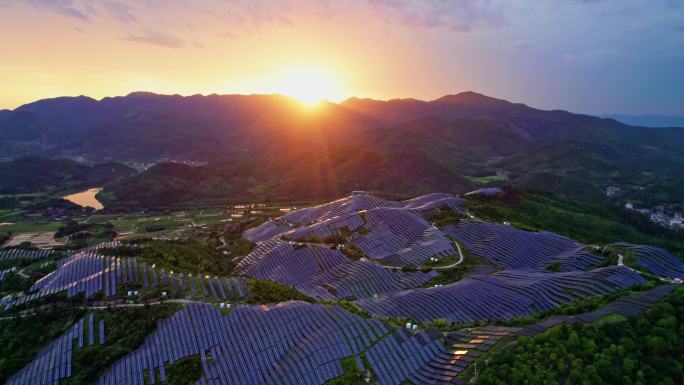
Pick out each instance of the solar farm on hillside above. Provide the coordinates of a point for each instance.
(369, 267)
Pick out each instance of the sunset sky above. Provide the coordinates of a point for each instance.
(603, 56)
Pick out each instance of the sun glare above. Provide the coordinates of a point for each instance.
(311, 85)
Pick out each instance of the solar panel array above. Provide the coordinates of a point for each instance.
(394, 233)
(324, 272)
(54, 362)
(17, 253)
(352, 205)
(310, 215)
(499, 296)
(301, 343)
(5, 272)
(628, 306)
(289, 343)
(512, 248)
(401, 237)
(404, 357)
(89, 273)
(656, 260)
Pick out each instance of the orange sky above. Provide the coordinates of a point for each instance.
(380, 49)
(197, 53)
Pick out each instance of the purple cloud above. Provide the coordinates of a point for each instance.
(158, 38)
(67, 8)
(455, 15)
(120, 11)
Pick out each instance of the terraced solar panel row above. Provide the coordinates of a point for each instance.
(54, 362)
(656, 260)
(290, 343)
(87, 272)
(425, 205)
(392, 235)
(15, 253)
(3, 273)
(499, 296)
(398, 358)
(310, 215)
(391, 232)
(325, 273)
(431, 204)
(628, 306)
(326, 228)
(401, 237)
(512, 248)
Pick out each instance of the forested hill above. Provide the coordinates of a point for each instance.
(450, 138)
(34, 174)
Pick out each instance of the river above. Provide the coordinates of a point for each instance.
(86, 198)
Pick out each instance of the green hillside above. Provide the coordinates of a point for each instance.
(33, 174)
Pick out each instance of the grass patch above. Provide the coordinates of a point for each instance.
(186, 371)
(188, 256)
(13, 283)
(352, 374)
(261, 291)
(482, 180)
(446, 276)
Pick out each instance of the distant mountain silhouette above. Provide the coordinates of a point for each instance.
(650, 120)
(273, 144)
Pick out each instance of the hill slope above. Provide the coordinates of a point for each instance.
(402, 144)
(34, 174)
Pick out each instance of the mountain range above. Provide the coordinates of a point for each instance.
(271, 147)
(649, 120)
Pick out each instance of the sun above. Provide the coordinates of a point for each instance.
(311, 85)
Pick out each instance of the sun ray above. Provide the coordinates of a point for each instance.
(310, 84)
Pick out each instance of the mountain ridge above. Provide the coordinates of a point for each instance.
(453, 137)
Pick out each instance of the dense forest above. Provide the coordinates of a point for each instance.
(646, 350)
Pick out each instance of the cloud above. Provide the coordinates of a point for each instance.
(228, 35)
(595, 56)
(120, 11)
(519, 45)
(454, 15)
(67, 8)
(158, 38)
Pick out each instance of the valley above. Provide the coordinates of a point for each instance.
(358, 277)
(364, 192)
(399, 242)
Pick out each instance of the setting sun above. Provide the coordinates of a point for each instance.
(310, 85)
